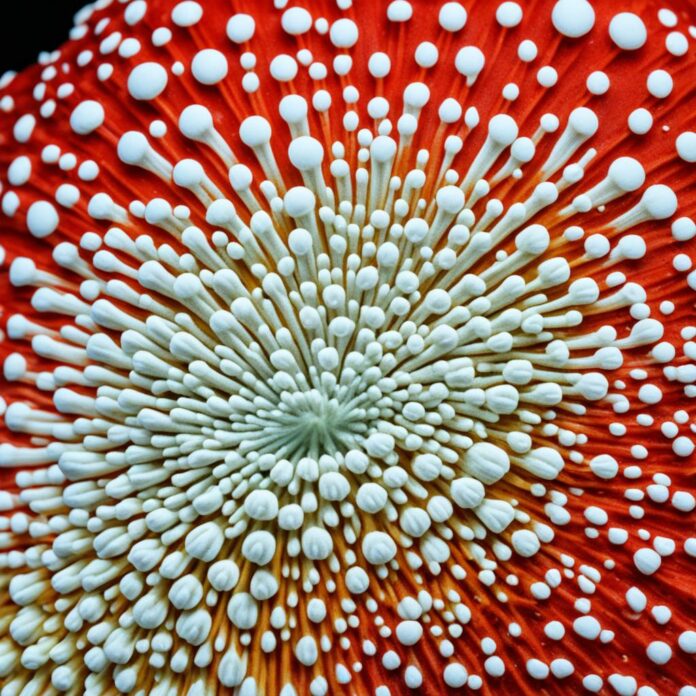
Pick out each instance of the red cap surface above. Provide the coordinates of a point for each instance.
(349, 348)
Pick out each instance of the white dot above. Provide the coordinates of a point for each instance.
(67, 195)
(134, 12)
(399, 11)
(161, 36)
(42, 219)
(598, 82)
(511, 91)
(250, 82)
(209, 66)
(554, 630)
(649, 394)
(647, 561)
(318, 71)
(469, 61)
(158, 129)
(88, 171)
(508, 14)
(547, 76)
(537, 669)
(426, 54)
(659, 652)
(452, 16)
(105, 71)
(283, 68)
(187, 13)
(87, 117)
(527, 51)
(573, 18)
(24, 128)
(660, 84)
(450, 111)
(627, 31)
(640, 121)
(587, 626)
(147, 81)
(240, 28)
(659, 201)
(684, 501)
(455, 675)
(344, 33)
(681, 263)
(667, 18)
(19, 171)
(296, 21)
(683, 446)
(676, 43)
(686, 146)
(379, 65)
(683, 229)
(129, 47)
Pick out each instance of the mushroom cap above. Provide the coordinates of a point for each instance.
(349, 347)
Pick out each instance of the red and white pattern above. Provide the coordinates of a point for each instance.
(350, 348)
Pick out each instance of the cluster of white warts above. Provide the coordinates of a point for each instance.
(327, 386)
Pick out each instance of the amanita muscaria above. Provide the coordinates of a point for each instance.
(348, 349)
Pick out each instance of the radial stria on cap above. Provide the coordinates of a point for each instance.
(349, 348)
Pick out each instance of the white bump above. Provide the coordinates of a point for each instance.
(240, 28)
(87, 117)
(628, 31)
(452, 16)
(42, 219)
(209, 66)
(147, 81)
(573, 18)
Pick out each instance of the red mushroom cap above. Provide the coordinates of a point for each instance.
(349, 348)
